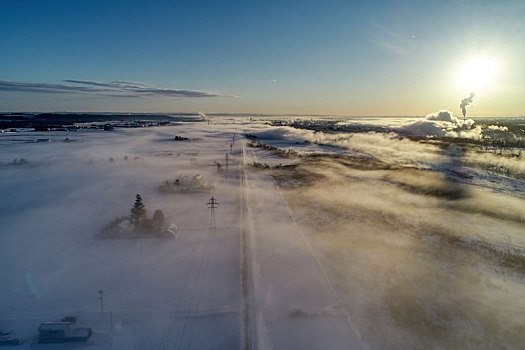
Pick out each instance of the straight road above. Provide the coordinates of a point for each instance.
(289, 301)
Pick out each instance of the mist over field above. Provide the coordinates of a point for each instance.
(416, 267)
(329, 233)
(423, 239)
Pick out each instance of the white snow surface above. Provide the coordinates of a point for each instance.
(177, 293)
(162, 293)
(260, 279)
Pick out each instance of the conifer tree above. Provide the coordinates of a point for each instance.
(138, 211)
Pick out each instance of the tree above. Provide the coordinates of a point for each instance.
(138, 212)
(158, 220)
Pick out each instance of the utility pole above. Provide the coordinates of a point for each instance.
(101, 298)
(226, 160)
(212, 205)
(232, 143)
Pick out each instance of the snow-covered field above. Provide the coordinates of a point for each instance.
(319, 255)
(162, 293)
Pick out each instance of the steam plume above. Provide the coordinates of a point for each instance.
(465, 102)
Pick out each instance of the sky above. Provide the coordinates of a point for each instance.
(353, 58)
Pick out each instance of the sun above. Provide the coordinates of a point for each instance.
(477, 73)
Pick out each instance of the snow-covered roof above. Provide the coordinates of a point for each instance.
(54, 326)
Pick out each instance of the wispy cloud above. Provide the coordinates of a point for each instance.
(111, 84)
(392, 41)
(113, 89)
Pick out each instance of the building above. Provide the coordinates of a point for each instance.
(61, 332)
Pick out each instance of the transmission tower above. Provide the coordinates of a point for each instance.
(212, 205)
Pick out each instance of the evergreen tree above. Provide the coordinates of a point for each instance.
(138, 211)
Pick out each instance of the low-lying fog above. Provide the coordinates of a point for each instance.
(424, 244)
(425, 241)
(56, 202)
(415, 268)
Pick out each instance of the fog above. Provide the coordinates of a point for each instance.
(361, 240)
(414, 268)
(420, 257)
(53, 207)
(395, 147)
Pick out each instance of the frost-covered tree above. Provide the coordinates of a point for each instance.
(158, 220)
(138, 212)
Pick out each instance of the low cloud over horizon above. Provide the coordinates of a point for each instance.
(113, 89)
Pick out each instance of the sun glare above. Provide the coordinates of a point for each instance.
(477, 74)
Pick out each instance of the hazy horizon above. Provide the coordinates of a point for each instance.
(252, 114)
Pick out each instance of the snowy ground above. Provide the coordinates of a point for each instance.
(188, 292)
(162, 293)
(359, 259)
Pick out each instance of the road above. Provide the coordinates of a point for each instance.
(290, 302)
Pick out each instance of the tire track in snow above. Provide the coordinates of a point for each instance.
(247, 285)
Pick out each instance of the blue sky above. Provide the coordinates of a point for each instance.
(330, 57)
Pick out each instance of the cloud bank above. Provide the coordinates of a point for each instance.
(113, 89)
(442, 124)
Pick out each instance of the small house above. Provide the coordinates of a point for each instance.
(61, 332)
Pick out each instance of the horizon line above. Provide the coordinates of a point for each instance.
(481, 115)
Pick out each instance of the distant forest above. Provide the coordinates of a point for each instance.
(57, 120)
